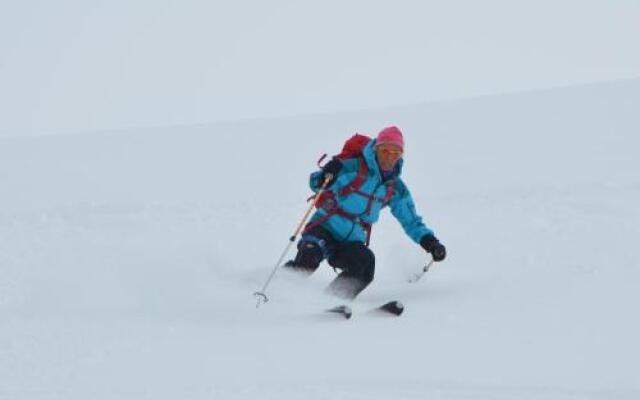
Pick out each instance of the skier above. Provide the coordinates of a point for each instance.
(358, 186)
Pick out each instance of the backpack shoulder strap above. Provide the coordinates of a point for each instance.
(357, 183)
(391, 190)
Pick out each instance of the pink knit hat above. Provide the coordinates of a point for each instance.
(390, 134)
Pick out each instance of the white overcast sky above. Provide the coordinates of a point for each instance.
(85, 65)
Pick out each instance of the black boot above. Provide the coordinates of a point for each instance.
(357, 263)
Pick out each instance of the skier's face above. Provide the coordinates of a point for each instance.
(388, 155)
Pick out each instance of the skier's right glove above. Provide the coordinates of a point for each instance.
(331, 170)
(434, 247)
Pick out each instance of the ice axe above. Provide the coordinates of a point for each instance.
(261, 295)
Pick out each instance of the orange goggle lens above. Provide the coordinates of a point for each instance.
(387, 152)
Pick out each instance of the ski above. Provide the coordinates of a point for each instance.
(342, 310)
(393, 307)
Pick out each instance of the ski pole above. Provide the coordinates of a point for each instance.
(416, 277)
(261, 295)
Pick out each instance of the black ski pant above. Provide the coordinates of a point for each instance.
(355, 261)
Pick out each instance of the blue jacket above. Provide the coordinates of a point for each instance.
(401, 204)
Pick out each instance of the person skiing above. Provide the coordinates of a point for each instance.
(357, 187)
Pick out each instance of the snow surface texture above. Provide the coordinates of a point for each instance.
(128, 260)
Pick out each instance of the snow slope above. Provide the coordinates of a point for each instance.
(128, 259)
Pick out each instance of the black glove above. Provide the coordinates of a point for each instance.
(434, 247)
(332, 168)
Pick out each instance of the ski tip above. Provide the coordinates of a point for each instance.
(342, 310)
(392, 307)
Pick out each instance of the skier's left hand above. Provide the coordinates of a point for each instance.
(331, 170)
(433, 246)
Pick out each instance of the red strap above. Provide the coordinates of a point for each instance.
(391, 190)
(354, 187)
(339, 211)
(358, 182)
(390, 186)
(317, 222)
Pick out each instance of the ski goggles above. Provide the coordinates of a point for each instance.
(389, 152)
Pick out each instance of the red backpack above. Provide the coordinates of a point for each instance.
(352, 148)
